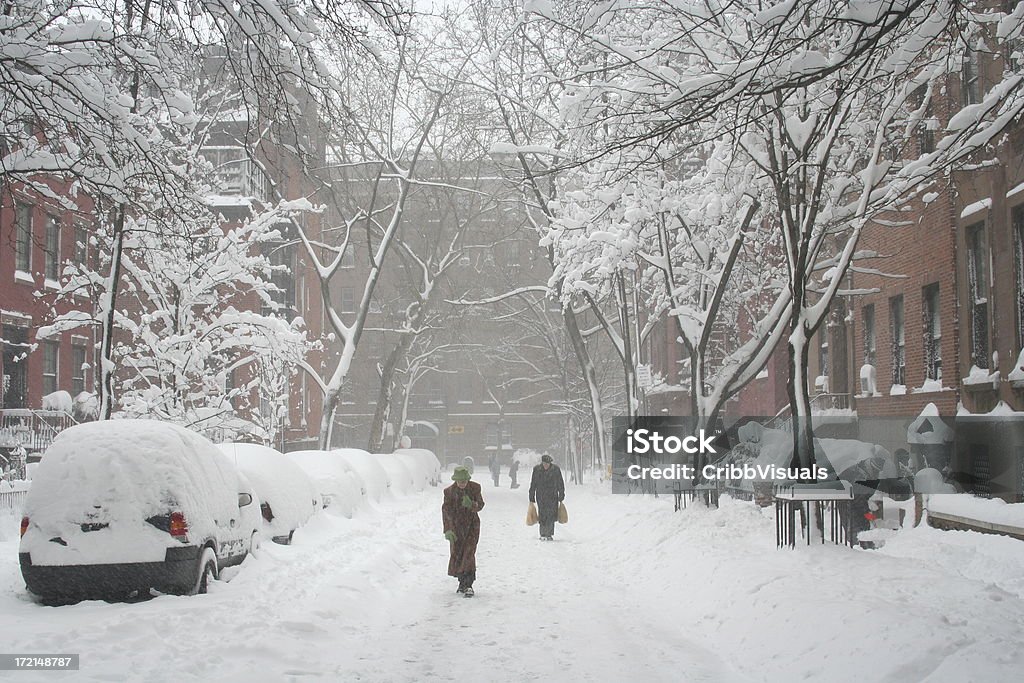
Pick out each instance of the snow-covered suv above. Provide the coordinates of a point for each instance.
(127, 505)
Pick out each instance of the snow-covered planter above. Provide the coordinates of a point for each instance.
(929, 386)
(288, 497)
(868, 380)
(1016, 376)
(981, 379)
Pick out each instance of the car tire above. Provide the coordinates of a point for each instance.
(207, 571)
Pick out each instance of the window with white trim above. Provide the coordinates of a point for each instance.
(899, 345)
(932, 332)
(977, 292)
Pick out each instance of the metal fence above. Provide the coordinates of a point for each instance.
(33, 430)
(12, 501)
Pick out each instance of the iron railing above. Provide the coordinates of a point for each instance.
(33, 430)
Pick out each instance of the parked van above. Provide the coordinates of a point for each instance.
(123, 506)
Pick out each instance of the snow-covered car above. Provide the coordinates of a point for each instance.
(122, 506)
(425, 461)
(403, 480)
(288, 497)
(373, 473)
(339, 483)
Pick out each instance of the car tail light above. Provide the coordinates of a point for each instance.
(179, 526)
(24, 526)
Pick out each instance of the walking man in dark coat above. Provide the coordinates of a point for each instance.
(547, 490)
(495, 468)
(462, 501)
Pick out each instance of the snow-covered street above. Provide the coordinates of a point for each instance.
(629, 591)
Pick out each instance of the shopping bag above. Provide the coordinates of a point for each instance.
(563, 514)
(531, 515)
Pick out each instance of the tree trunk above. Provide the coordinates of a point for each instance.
(628, 362)
(107, 330)
(579, 346)
(385, 394)
(799, 397)
(331, 397)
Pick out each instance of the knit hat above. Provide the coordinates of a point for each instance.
(460, 474)
(546, 458)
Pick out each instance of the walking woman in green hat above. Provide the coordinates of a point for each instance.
(462, 501)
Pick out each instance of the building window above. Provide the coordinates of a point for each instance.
(899, 355)
(23, 238)
(932, 333)
(1013, 54)
(50, 355)
(929, 124)
(513, 253)
(51, 268)
(971, 77)
(82, 244)
(348, 300)
(348, 257)
(78, 364)
(977, 286)
(283, 277)
(235, 173)
(868, 322)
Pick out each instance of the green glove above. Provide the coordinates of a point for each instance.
(450, 536)
(467, 502)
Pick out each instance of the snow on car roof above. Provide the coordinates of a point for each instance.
(291, 494)
(130, 470)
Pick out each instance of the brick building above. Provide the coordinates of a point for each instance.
(471, 400)
(945, 326)
(38, 234)
(42, 231)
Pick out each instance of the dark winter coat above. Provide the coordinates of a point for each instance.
(547, 485)
(465, 522)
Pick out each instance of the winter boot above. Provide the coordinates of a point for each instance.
(468, 592)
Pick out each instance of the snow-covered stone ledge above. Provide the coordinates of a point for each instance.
(970, 513)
